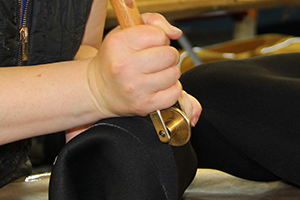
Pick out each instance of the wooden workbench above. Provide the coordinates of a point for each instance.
(180, 9)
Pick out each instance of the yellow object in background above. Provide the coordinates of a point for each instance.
(261, 45)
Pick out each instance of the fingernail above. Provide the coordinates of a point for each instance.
(194, 121)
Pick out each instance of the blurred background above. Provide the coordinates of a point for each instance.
(217, 27)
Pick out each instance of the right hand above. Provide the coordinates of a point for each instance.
(135, 72)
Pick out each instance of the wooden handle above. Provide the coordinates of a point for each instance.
(127, 13)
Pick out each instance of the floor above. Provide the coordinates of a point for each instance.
(216, 185)
(207, 185)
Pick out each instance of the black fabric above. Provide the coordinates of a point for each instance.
(250, 120)
(9, 33)
(215, 151)
(121, 158)
(56, 29)
(14, 161)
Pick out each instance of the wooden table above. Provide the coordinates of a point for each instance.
(180, 9)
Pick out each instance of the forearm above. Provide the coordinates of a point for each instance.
(44, 99)
(52, 97)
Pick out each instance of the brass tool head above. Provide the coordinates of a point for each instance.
(172, 126)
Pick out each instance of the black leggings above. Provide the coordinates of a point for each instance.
(250, 122)
(248, 128)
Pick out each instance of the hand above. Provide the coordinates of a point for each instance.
(135, 72)
(116, 102)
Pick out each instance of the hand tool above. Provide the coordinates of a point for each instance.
(172, 125)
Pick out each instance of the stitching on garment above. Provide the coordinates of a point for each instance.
(115, 126)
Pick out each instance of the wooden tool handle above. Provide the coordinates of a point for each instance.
(127, 13)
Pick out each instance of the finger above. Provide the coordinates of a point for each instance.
(143, 36)
(191, 107)
(166, 98)
(197, 109)
(162, 80)
(159, 21)
(145, 104)
(156, 59)
(136, 38)
(186, 105)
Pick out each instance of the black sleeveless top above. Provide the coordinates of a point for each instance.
(55, 30)
(14, 161)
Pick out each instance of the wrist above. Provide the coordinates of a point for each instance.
(97, 101)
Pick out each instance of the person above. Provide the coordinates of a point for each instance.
(57, 74)
(72, 79)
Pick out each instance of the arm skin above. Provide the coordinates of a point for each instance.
(42, 99)
(50, 98)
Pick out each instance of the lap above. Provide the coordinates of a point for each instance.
(253, 105)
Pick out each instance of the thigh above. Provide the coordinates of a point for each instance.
(252, 104)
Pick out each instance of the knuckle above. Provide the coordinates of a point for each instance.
(164, 38)
(130, 89)
(176, 72)
(153, 18)
(157, 36)
(113, 39)
(118, 68)
(173, 55)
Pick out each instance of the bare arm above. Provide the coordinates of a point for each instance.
(44, 99)
(37, 100)
(49, 98)
(95, 25)
(93, 34)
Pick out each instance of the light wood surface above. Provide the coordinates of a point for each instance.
(180, 9)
